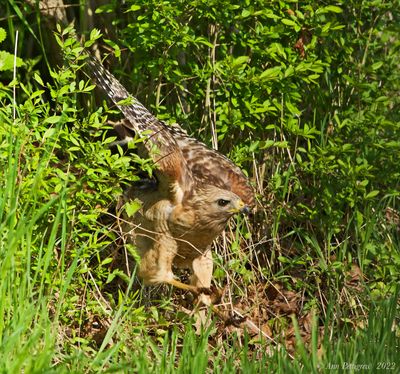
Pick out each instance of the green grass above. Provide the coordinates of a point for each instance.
(37, 283)
(317, 266)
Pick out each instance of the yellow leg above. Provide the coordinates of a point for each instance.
(183, 286)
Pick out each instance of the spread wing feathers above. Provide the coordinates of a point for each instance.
(186, 163)
(159, 143)
(209, 167)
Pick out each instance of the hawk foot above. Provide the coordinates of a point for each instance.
(235, 320)
(204, 290)
(189, 287)
(195, 290)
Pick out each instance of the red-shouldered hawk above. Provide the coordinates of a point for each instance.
(198, 190)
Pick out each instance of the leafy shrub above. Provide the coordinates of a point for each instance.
(302, 95)
(306, 91)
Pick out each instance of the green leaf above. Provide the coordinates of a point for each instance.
(38, 79)
(107, 8)
(240, 61)
(115, 46)
(246, 13)
(3, 34)
(134, 8)
(372, 194)
(37, 93)
(271, 73)
(94, 35)
(334, 9)
(132, 207)
(289, 71)
(7, 61)
(329, 8)
(288, 22)
(376, 65)
(292, 108)
(107, 261)
(267, 144)
(52, 119)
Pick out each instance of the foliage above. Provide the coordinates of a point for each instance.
(302, 95)
(6, 58)
(308, 88)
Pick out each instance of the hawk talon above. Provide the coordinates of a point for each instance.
(204, 290)
(234, 320)
(188, 287)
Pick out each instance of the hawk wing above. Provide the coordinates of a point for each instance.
(210, 167)
(186, 163)
(159, 142)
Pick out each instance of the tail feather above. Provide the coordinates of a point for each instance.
(138, 118)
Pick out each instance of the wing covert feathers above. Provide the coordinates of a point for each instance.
(184, 161)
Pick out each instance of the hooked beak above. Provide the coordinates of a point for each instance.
(241, 207)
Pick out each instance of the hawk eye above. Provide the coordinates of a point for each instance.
(222, 202)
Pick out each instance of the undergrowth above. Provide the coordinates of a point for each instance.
(302, 95)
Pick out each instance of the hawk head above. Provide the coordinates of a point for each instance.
(213, 206)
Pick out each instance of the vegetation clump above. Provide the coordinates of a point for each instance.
(303, 96)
